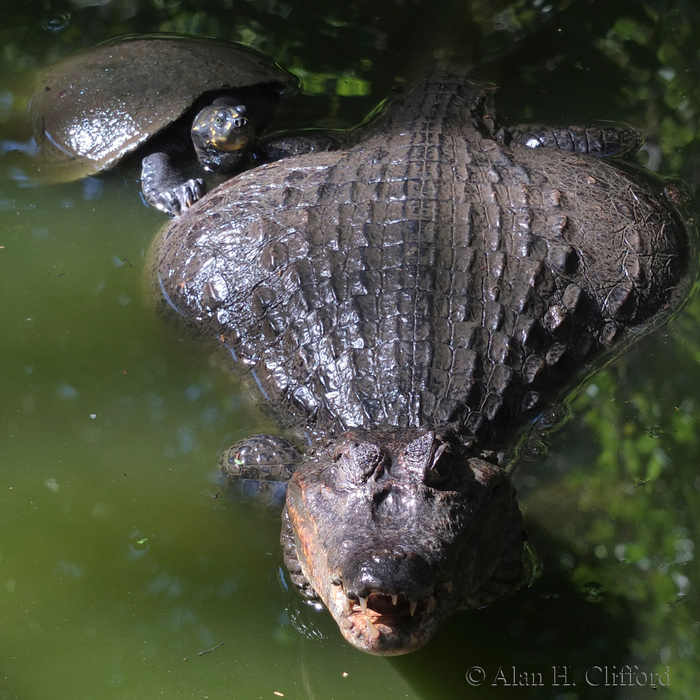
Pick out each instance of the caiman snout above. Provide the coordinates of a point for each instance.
(387, 571)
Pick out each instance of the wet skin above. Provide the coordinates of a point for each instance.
(409, 305)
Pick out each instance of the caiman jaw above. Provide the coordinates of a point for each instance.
(379, 622)
(389, 624)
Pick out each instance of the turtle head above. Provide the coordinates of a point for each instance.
(220, 134)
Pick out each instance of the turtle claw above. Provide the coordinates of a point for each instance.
(163, 187)
(195, 190)
(176, 200)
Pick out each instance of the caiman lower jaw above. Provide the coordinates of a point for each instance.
(390, 624)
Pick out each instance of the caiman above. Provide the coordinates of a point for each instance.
(410, 304)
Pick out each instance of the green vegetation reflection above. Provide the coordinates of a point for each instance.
(122, 559)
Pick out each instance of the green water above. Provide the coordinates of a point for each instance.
(119, 564)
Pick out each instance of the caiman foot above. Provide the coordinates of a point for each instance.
(260, 465)
(286, 145)
(601, 141)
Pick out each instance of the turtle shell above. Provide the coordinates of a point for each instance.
(98, 105)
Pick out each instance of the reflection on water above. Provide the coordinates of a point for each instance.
(55, 23)
(122, 558)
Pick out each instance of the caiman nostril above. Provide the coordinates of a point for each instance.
(387, 553)
(389, 571)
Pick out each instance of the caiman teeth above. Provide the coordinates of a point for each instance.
(339, 592)
(373, 631)
(384, 607)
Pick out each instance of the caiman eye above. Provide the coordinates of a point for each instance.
(440, 474)
(353, 465)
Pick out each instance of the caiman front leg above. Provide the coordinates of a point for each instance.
(601, 141)
(260, 465)
(286, 145)
(164, 188)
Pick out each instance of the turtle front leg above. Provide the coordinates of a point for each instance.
(600, 141)
(260, 465)
(163, 187)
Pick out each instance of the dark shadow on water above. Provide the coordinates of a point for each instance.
(538, 644)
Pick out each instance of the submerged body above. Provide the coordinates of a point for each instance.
(411, 304)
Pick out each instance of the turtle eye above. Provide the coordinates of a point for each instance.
(218, 120)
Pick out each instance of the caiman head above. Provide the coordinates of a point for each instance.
(395, 529)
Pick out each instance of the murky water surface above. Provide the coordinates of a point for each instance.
(127, 572)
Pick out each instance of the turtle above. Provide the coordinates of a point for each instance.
(163, 99)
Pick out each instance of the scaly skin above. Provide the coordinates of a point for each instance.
(415, 301)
